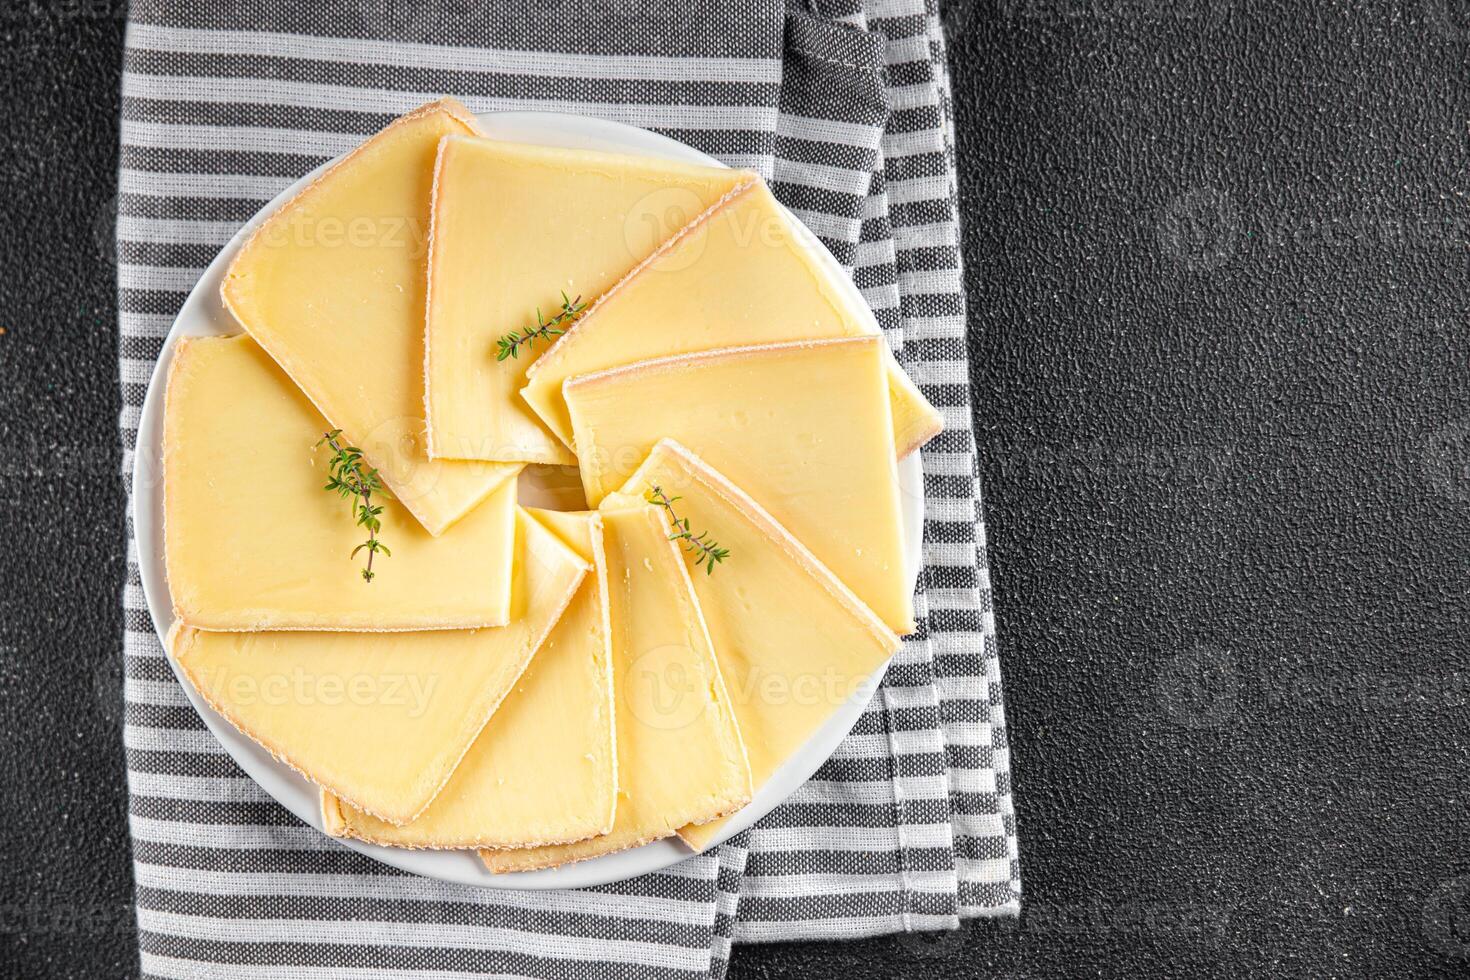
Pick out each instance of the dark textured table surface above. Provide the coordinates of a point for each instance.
(1219, 266)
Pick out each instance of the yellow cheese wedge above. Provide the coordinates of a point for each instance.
(332, 286)
(804, 428)
(793, 643)
(380, 720)
(680, 758)
(739, 275)
(543, 769)
(514, 227)
(240, 438)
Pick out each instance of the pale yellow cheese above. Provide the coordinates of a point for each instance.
(680, 758)
(804, 428)
(739, 275)
(252, 541)
(793, 643)
(515, 226)
(543, 769)
(381, 719)
(332, 286)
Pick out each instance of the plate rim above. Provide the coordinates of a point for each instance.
(270, 774)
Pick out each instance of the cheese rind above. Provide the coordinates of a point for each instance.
(515, 227)
(680, 755)
(381, 719)
(332, 286)
(235, 428)
(804, 428)
(794, 644)
(543, 769)
(739, 275)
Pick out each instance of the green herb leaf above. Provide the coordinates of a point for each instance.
(543, 329)
(352, 481)
(706, 550)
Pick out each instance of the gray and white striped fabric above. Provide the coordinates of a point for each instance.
(843, 106)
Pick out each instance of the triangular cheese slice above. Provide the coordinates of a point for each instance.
(680, 758)
(514, 228)
(381, 719)
(804, 428)
(237, 432)
(543, 770)
(794, 644)
(739, 275)
(332, 286)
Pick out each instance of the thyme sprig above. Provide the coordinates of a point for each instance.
(543, 329)
(706, 550)
(354, 481)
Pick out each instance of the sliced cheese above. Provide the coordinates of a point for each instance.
(251, 540)
(739, 275)
(794, 644)
(381, 719)
(332, 286)
(543, 769)
(680, 758)
(804, 428)
(514, 227)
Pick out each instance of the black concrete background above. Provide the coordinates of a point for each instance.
(1217, 257)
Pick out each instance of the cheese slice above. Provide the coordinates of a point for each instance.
(793, 643)
(381, 719)
(680, 757)
(804, 428)
(738, 275)
(543, 769)
(515, 226)
(251, 540)
(332, 286)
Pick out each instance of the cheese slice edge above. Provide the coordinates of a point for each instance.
(375, 718)
(803, 427)
(813, 647)
(544, 768)
(331, 285)
(228, 406)
(680, 754)
(740, 274)
(516, 231)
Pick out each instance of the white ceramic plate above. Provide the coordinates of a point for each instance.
(202, 315)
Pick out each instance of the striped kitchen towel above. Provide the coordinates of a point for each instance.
(843, 106)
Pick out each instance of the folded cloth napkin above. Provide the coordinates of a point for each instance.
(843, 107)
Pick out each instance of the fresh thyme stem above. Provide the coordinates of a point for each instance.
(355, 482)
(706, 550)
(543, 329)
